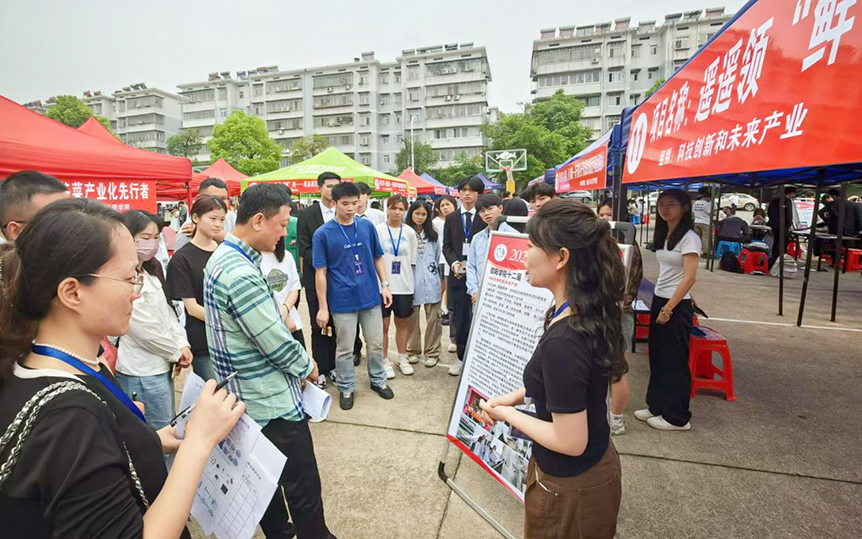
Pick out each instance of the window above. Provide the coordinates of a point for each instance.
(386, 158)
(222, 113)
(122, 106)
(681, 43)
(456, 66)
(652, 74)
(384, 119)
(201, 131)
(635, 98)
(566, 79)
(365, 120)
(363, 80)
(653, 49)
(222, 94)
(365, 98)
(591, 123)
(616, 50)
(283, 86)
(340, 100)
(612, 121)
(257, 90)
(413, 94)
(384, 99)
(635, 73)
(636, 50)
(398, 118)
(339, 140)
(122, 122)
(415, 115)
(149, 101)
(197, 115)
(199, 96)
(384, 139)
(569, 54)
(383, 78)
(398, 99)
(412, 72)
(397, 77)
(463, 88)
(287, 143)
(145, 136)
(257, 109)
(455, 111)
(333, 121)
(157, 119)
(278, 125)
(329, 81)
(615, 100)
(96, 108)
(454, 132)
(241, 94)
(366, 159)
(615, 76)
(286, 105)
(591, 101)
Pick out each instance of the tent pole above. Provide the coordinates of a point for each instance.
(642, 206)
(810, 249)
(710, 248)
(781, 247)
(656, 215)
(836, 259)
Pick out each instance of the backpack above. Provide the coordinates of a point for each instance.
(730, 263)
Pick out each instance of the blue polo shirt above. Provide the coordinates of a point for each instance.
(336, 247)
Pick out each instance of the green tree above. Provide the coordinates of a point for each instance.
(185, 143)
(423, 156)
(106, 123)
(654, 88)
(462, 168)
(70, 110)
(307, 147)
(550, 131)
(244, 142)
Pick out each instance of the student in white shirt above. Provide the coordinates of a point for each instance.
(279, 268)
(427, 290)
(399, 256)
(363, 210)
(702, 213)
(676, 247)
(489, 207)
(156, 341)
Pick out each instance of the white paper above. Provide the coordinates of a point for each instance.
(240, 477)
(316, 402)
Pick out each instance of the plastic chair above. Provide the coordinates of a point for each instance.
(752, 261)
(704, 374)
(727, 246)
(854, 259)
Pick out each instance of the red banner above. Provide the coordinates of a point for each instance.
(781, 88)
(588, 172)
(297, 187)
(389, 186)
(119, 195)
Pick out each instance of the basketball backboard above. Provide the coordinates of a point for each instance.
(500, 160)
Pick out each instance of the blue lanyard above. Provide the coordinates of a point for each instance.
(464, 224)
(355, 234)
(74, 362)
(562, 308)
(395, 246)
(238, 249)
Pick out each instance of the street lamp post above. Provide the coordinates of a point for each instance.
(412, 143)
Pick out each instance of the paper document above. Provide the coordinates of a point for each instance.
(316, 402)
(240, 477)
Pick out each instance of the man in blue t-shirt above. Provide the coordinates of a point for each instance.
(348, 260)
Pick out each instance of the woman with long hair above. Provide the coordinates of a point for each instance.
(428, 288)
(155, 342)
(185, 280)
(82, 461)
(443, 206)
(620, 390)
(677, 248)
(573, 255)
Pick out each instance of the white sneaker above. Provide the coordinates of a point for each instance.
(404, 366)
(618, 427)
(413, 358)
(430, 362)
(387, 366)
(455, 368)
(643, 415)
(452, 348)
(658, 422)
(321, 381)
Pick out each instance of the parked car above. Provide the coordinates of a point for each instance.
(581, 196)
(746, 202)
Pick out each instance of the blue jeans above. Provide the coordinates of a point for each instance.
(202, 365)
(371, 321)
(157, 394)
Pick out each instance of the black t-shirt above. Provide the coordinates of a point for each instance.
(186, 280)
(72, 478)
(562, 378)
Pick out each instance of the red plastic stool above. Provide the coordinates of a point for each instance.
(703, 372)
(754, 261)
(854, 259)
(793, 249)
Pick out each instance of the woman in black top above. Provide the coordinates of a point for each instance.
(185, 279)
(573, 482)
(87, 466)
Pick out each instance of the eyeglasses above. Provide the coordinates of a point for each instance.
(137, 281)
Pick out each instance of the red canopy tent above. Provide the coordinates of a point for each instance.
(93, 127)
(118, 175)
(222, 170)
(422, 186)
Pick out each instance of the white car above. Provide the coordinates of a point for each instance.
(746, 202)
(581, 196)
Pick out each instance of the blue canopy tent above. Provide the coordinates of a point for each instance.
(431, 179)
(488, 183)
(817, 175)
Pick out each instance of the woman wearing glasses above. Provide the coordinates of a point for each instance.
(81, 461)
(156, 342)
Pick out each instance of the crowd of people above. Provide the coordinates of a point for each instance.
(236, 279)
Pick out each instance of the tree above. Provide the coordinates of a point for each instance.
(307, 147)
(69, 110)
(463, 167)
(550, 131)
(185, 143)
(423, 156)
(244, 142)
(105, 121)
(654, 89)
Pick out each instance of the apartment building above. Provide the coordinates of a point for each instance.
(147, 117)
(610, 66)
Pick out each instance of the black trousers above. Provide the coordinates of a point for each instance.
(300, 482)
(461, 315)
(322, 347)
(669, 377)
(777, 248)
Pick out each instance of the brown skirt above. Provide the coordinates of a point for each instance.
(581, 507)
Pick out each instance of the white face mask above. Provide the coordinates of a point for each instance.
(146, 249)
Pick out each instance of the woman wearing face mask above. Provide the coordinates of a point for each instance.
(156, 341)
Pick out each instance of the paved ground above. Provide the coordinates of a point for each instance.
(784, 460)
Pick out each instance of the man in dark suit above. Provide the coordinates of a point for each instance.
(460, 227)
(310, 219)
(774, 215)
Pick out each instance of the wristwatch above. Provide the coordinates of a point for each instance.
(667, 311)
(385, 284)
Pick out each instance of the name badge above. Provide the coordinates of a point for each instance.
(357, 266)
(396, 267)
(465, 249)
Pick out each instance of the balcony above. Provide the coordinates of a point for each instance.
(562, 67)
(461, 121)
(461, 142)
(285, 114)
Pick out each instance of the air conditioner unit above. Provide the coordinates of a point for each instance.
(457, 97)
(281, 131)
(595, 61)
(382, 103)
(329, 89)
(448, 98)
(348, 86)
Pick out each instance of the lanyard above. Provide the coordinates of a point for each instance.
(562, 308)
(395, 246)
(74, 362)
(464, 224)
(355, 234)
(238, 249)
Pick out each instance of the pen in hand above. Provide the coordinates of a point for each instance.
(188, 409)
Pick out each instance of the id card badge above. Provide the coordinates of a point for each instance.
(357, 266)
(396, 267)
(465, 249)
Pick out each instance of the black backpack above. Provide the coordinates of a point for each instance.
(730, 263)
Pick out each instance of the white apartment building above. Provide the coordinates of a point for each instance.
(147, 117)
(364, 108)
(611, 66)
(101, 104)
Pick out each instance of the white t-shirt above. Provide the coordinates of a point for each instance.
(438, 227)
(376, 217)
(734, 200)
(701, 210)
(670, 264)
(282, 277)
(402, 282)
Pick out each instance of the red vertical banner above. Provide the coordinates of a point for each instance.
(781, 88)
(590, 171)
(119, 195)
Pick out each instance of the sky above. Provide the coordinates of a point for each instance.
(57, 47)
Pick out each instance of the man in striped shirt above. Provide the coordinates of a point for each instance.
(245, 333)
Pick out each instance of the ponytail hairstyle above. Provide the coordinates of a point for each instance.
(136, 221)
(203, 205)
(685, 224)
(595, 277)
(68, 238)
